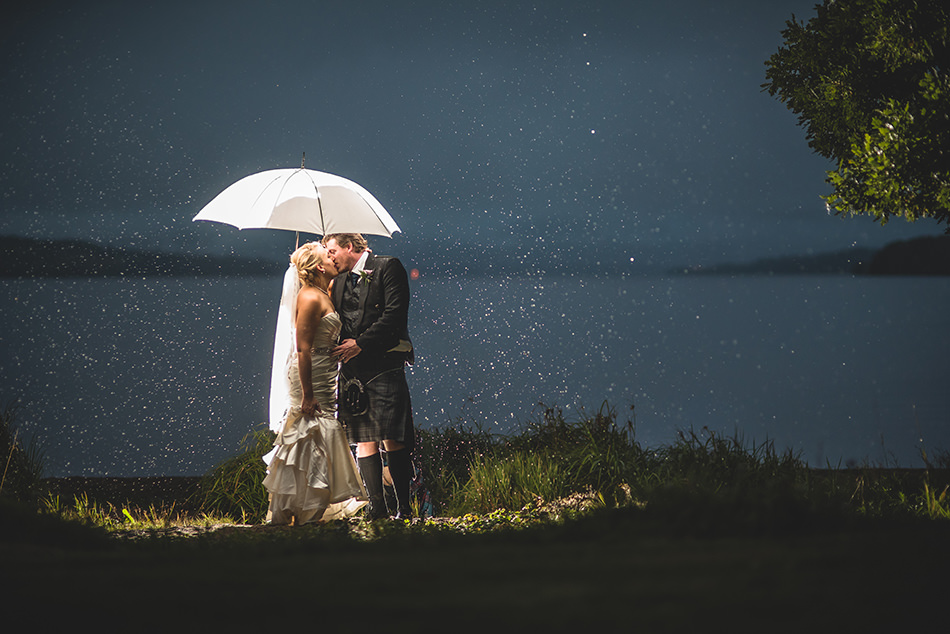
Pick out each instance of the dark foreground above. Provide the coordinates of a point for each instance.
(620, 569)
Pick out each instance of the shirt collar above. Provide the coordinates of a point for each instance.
(358, 267)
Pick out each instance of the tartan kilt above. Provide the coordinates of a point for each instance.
(384, 408)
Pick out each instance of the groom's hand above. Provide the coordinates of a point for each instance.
(347, 350)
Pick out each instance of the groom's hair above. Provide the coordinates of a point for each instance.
(346, 239)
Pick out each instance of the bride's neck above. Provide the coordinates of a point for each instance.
(322, 289)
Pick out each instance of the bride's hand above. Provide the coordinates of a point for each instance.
(310, 406)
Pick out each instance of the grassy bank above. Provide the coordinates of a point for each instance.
(553, 468)
(609, 568)
(565, 524)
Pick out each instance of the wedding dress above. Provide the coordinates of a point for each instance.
(311, 474)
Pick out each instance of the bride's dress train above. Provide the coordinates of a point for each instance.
(311, 474)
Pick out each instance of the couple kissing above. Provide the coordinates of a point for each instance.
(340, 353)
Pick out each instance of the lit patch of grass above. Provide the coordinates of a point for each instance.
(936, 506)
(513, 482)
(470, 471)
(83, 510)
(114, 517)
(445, 455)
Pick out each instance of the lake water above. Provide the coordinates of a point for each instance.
(165, 376)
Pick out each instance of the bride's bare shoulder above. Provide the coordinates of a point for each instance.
(308, 294)
(315, 300)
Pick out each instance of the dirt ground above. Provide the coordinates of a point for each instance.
(612, 570)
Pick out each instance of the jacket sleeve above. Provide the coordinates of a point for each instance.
(389, 299)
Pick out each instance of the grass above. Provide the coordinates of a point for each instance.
(22, 464)
(234, 487)
(565, 523)
(608, 568)
(124, 516)
(594, 460)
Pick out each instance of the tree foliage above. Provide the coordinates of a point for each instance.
(869, 82)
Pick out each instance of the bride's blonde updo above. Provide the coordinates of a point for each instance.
(306, 259)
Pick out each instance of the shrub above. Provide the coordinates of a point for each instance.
(235, 487)
(22, 466)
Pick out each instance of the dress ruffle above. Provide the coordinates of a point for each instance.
(311, 472)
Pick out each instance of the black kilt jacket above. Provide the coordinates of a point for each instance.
(382, 318)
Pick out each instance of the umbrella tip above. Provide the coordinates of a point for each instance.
(302, 159)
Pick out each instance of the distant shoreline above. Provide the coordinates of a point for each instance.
(31, 258)
(929, 255)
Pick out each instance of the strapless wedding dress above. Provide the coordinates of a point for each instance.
(311, 473)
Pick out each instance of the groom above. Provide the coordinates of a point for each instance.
(371, 295)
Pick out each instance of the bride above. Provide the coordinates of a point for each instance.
(311, 474)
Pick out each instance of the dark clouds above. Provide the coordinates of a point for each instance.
(531, 125)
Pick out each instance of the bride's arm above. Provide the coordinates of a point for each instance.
(307, 310)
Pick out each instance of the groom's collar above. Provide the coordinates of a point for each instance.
(358, 267)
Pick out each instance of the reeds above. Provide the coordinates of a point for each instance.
(512, 483)
(703, 477)
(553, 466)
(234, 488)
(114, 516)
(22, 465)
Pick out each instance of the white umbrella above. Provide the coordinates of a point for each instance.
(298, 199)
(305, 201)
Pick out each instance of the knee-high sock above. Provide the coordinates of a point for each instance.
(400, 469)
(371, 468)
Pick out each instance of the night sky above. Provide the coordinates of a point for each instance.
(637, 129)
(583, 137)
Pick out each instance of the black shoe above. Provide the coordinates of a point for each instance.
(371, 469)
(400, 468)
(375, 511)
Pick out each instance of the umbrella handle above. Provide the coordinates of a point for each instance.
(303, 158)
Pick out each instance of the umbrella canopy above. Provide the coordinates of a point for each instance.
(298, 199)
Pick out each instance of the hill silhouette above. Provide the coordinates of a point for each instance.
(928, 255)
(921, 256)
(33, 258)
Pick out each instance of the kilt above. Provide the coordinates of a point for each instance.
(383, 410)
